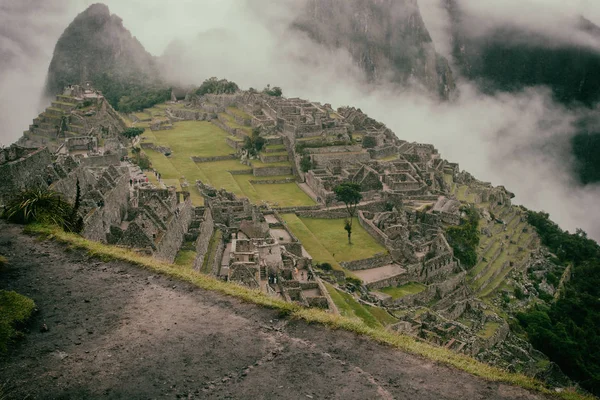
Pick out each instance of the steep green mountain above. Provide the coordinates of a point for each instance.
(509, 58)
(387, 39)
(96, 47)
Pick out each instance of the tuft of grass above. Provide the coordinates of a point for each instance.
(309, 315)
(15, 309)
(3, 261)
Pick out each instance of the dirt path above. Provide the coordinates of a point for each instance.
(117, 331)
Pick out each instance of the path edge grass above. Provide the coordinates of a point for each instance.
(294, 311)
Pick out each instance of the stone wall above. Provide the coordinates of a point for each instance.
(383, 152)
(206, 231)
(237, 145)
(325, 159)
(188, 115)
(20, 173)
(101, 161)
(177, 227)
(323, 214)
(389, 282)
(272, 171)
(368, 263)
(438, 290)
(216, 262)
(269, 158)
(374, 231)
(215, 158)
(272, 181)
(67, 185)
(99, 220)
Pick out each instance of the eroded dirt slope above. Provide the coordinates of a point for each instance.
(118, 331)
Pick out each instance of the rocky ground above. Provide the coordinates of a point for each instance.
(118, 331)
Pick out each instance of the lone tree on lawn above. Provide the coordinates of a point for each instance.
(349, 194)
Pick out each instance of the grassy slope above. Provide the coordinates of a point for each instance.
(380, 335)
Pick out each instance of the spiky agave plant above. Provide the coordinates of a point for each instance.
(38, 205)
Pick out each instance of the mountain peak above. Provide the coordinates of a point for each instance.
(97, 47)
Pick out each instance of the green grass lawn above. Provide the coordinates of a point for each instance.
(326, 240)
(310, 242)
(331, 234)
(404, 290)
(351, 308)
(203, 139)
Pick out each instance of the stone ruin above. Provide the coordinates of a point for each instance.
(259, 251)
(80, 112)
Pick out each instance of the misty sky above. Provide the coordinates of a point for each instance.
(499, 139)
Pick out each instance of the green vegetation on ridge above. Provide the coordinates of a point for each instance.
(567, 329)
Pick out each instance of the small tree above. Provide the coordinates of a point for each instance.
(276, 91)
(349, 194)
(306, 163)
(255, 143)
(131, 133)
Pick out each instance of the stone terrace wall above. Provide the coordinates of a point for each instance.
(441, 289)
(216, 262)
(272, 171)
(323, 214)
(176, 229)
(188, 115)
(368, 263)
(206, 231)
(272, 181)
(21, 173)
(98, 222)
(101, 161)
(215, 158)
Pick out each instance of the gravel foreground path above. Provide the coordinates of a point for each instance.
(117, 331)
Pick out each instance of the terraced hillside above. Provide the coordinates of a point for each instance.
(201, 150)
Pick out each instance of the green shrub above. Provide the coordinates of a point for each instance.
(216, 86)
(130, 133)
(275, 91)
(43, 206)
(464, 239)
(325, 266)
(369, 142)
(15, 309)
(306, 163)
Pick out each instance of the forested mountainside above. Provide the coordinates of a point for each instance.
(97, 47)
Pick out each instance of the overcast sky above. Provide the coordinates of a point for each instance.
(499, 139)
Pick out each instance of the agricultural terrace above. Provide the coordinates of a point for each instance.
(204, 139)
